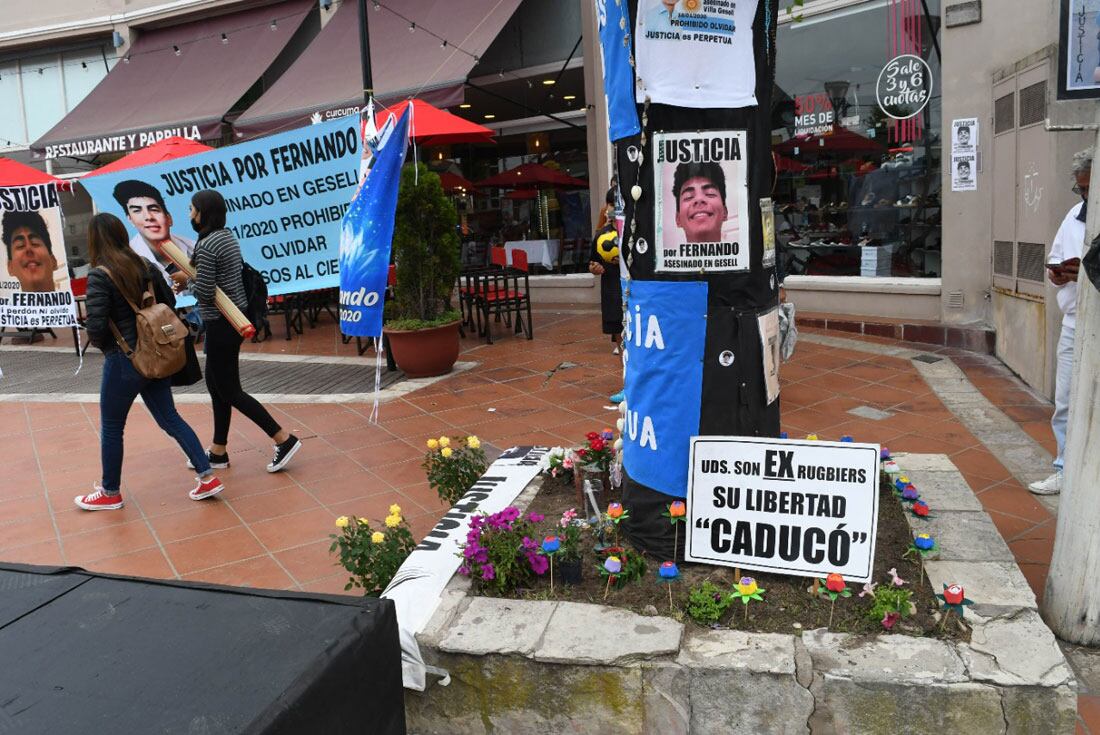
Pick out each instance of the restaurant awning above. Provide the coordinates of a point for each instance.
(326, 80)
(180, 81)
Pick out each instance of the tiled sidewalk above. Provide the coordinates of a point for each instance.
(272, 530)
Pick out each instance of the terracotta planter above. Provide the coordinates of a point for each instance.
(425, 353)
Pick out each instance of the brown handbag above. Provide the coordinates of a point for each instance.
(160, 351)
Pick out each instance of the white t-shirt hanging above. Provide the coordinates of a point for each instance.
(695, 53)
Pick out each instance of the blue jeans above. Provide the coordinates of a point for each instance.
(1063, 378)
(121, 385)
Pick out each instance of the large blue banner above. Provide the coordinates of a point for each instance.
(664, 339)
(618, 75)
(286, 194)
(367, 234)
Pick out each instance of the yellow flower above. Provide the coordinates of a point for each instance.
(444, 441)
(747, 586)
(363, 522)
(393, 521)
(342, 522)
(395, 510)
(377, 537)
(447, 451)
(473, 442)
(433, 444)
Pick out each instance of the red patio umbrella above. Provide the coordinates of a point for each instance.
(163, 150)
(452, 181)
(533, 176)
(13, 173)
(433, 126)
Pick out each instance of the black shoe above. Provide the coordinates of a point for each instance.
(283, 453)
(217, 461)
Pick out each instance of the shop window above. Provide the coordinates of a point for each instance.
(1004, 113)
(857, 157)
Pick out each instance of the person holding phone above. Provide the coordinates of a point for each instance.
(1063, 264)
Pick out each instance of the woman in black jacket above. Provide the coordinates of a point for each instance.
(218, 264)
(109, 299)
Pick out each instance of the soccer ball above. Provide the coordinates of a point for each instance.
(607, 245)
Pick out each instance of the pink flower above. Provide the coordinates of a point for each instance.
(889, 619)
(567, 463)
(894, 578)
(535, 517)
(487, 572)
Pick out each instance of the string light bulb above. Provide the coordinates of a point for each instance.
(126, 59)
(443, 43)
(412, 27)
(275, 24)
(176, 50)
(377, 6)
(225, 38)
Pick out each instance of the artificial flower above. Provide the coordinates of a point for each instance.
(910, 493)
(444, 441)
(473, 442)
(846, 438)
(812, 437)
(668, 570)
(920, 508)
(393, 521)
(551, 544)
(342, 522)
(615, 510)
(924, 542)
(567, 517)
(894, 578)
(446, 452)
(613, 564)
(567, 463)
(377, 537)
(592, 435)
(677, 509)
(607, 434)
(395, 510)
(433, 444)
(747, 586)
(954, 595)
(835, 583)
(869, 589)
(884, 453)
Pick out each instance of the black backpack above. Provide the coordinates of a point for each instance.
(255, 293)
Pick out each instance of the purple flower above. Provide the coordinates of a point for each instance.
(910, 493)
(539, 564)
(464, 570)
(477, 522)
(482, 555)
(487, 572)
(535, 517)
(884, 453)
(510, 513)
(473, 537)
(529, 544)
(607, 434)
(470, 550)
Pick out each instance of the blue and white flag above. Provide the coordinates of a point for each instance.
(613, 20)
(663, 350)
(367, 234)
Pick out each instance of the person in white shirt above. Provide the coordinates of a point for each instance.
(1062, 267)
(144, 206)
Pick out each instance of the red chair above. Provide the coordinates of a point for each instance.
(498, 257)
(519, 259)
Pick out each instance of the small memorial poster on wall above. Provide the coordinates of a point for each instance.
(806, 508)
(964, 154)
(702, 202)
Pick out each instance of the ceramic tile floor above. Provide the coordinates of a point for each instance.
(272, 530)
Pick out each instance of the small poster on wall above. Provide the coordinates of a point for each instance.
(964, 154)
(1079, 50)
(702, 202)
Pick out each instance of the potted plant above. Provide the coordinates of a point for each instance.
(421, 326)
(571, 550)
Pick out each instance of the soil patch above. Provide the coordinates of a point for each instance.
(787, 607)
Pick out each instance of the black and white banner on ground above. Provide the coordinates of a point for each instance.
(807, 508)
(419, 583)
(34, 273)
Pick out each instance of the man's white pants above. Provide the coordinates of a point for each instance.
(1060, 418)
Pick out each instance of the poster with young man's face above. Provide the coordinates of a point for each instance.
(34, 274)
(701, 192)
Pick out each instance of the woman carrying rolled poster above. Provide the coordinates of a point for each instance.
(217, 264)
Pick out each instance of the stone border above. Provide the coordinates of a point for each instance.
(522, 666)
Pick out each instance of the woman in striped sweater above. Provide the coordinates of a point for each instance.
(217, 260)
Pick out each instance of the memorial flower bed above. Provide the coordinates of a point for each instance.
(898, 600)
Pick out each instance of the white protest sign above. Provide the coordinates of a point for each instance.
(801, 507)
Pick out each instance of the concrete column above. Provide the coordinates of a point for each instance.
(1071, 605)
(599, 147)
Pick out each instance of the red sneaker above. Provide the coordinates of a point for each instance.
(207, 488)
(98, 500)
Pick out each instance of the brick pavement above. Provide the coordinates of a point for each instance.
(272, 530)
